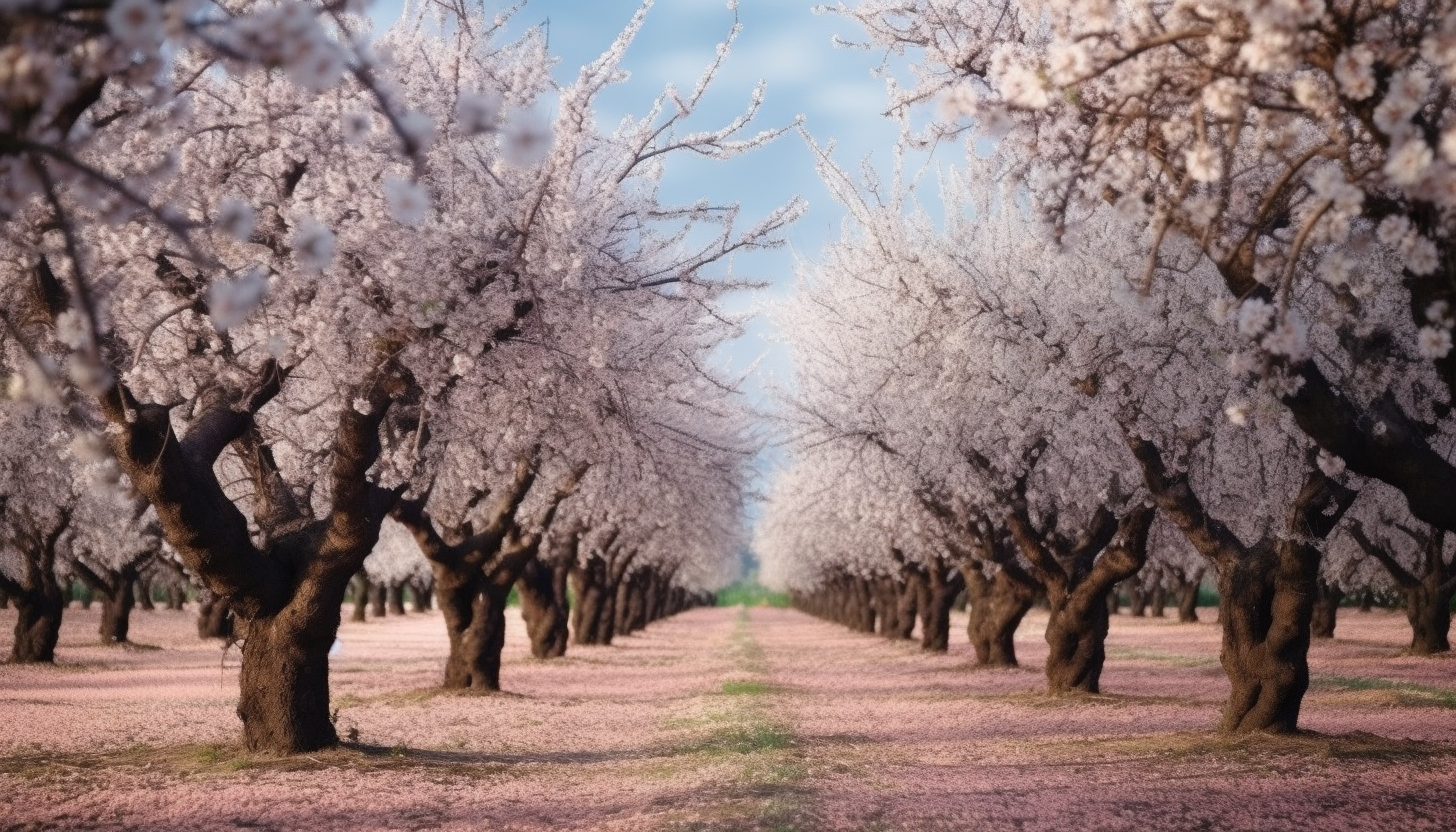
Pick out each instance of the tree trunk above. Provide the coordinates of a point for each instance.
(379, 597)
(1188, 598)
(361, 597)
(886, 599)
(1326, 605)
(910, 602)
(470, 622)
(1113, 602)
(37, 624)
(395, 594)
(420, 594)
(176, 596)
(1367, 601)
(283, 696)
(545, 607)
(1428, 609)
(942, 585)
(997, 606)
(116, 608)
(215, 619)
(1137, 600)
(588, 584)
(143, 589)
(1157, 600)
(1076, 630)
(1266, 601)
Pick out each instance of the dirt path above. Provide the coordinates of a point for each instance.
(726, 719)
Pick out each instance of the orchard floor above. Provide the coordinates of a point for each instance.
(724, 719)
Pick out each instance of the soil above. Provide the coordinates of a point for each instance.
(728, 719)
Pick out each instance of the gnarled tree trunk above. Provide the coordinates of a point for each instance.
(1266, 591)
(1326, 605)
(361, 588)
(997, 605)
(546, 608)
(942, 585)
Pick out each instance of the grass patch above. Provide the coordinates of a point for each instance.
(1397, 693)
(1252, 750)
(1042, 699)
(744, 738)
(193, 761)
(750, 593)
(1175, 659)
(747, 688)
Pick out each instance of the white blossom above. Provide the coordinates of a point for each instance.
(1433, 341)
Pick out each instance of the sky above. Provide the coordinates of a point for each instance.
(786, 44)
(790, 47)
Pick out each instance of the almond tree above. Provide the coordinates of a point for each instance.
(1292, 142)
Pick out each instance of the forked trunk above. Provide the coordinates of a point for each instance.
(1137, 600)
(1326, 605)
(1266, 601)
(471, 623)
(1429, 611)
(909, 603)
(1157, 600)
(215, 619)
(1188, 599)
(37, 625)
(1076, 630)
(143, 589)
(116, 610)
(283, 697)
(942, 585)
(361, 598)
(997, 606)
(545, 607)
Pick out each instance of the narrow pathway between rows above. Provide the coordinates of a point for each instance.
(726, 719)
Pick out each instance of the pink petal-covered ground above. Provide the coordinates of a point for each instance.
(720, 719)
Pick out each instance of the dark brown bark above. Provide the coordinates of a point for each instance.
(475, 624)
(215, 619)
(545, 607)
(362, 590)
(910, 601)
(1427, 591)
(997, 605)
(114, 588)
(942, 585)
(37, 626)
(142, 587)
(38, 596)
(1188, 598)
(283, 698)
(1266, 591)
(421, 594)
(588, 583)
(378, 600)
(395, 594)
(1326, 606)
(474, 573)
(1137, 600)
(1077, 582)
(1158, 600)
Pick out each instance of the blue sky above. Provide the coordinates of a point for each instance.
(784, 43)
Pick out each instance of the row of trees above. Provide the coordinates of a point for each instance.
(1193, 310)
(274, 282)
